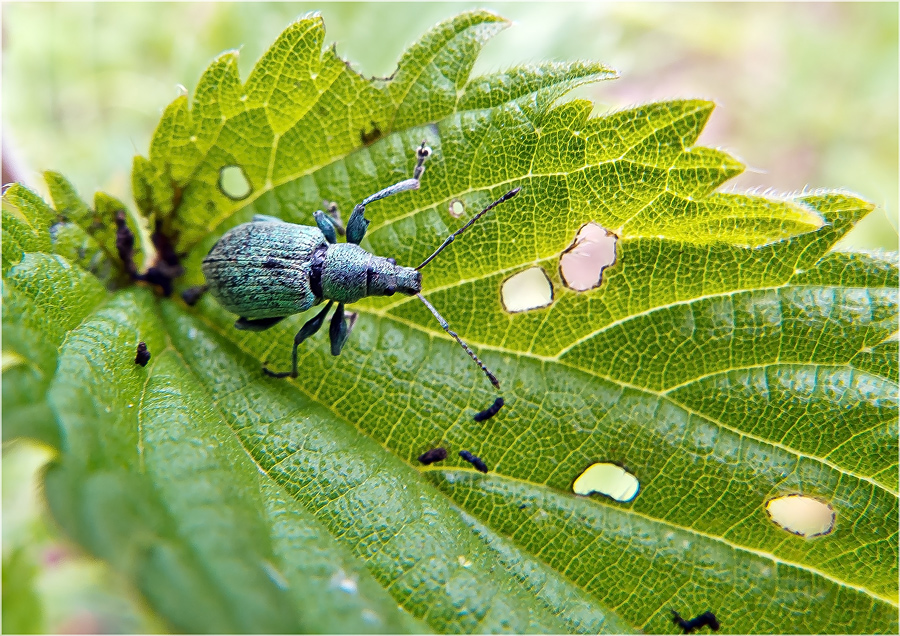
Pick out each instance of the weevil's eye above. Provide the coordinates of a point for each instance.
(392, 261)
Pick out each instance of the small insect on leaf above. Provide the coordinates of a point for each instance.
(490, 411)
(433, 455)
(475, 461)
(143, 355)
(706, 619)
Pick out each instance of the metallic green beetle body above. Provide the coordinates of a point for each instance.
(257, 273)
(271, 269)
(268, 269)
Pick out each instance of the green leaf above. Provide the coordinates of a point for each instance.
(726, 359)
(22, 612)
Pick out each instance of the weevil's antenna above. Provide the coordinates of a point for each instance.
(506, 197)
(440, 319)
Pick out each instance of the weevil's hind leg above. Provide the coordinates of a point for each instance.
(339, 329)
(256, 324)
(310, 327)
(358, 223)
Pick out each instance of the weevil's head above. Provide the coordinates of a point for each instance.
(386, 278)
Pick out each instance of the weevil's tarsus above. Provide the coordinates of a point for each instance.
(358, 223)
(506, 197)
(422, 154)
(446, 327)
(338, 330)
(256, 324)
(191, 296)
(309, 328)
(490, 411)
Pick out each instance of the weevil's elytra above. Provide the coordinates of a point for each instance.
(267, 269)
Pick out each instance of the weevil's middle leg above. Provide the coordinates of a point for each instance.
(358, 223)
(309, 328)
(339, 330)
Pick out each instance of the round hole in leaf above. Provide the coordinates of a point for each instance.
(529, 289)
(799, 514)
(233, 183)
(582, 263)
(457, 208)
(610, 480)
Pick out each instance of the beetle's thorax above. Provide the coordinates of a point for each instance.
(345, 272)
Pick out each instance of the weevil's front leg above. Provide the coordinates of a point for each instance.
(309, 328)
(358, 223)
(326, 225)
(338, 330)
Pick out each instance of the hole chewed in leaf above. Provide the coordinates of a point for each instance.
(371, 136)
(609, 480)
(233, 183)
(457, 208)
(530, 289)
(801, 515)
(582, 263)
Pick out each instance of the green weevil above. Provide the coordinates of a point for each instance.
(268, 269)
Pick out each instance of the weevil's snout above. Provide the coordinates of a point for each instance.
(386, 278)
(409, 281)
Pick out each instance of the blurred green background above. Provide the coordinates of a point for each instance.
(807, 97)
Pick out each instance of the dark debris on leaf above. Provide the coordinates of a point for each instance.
(143, 354)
